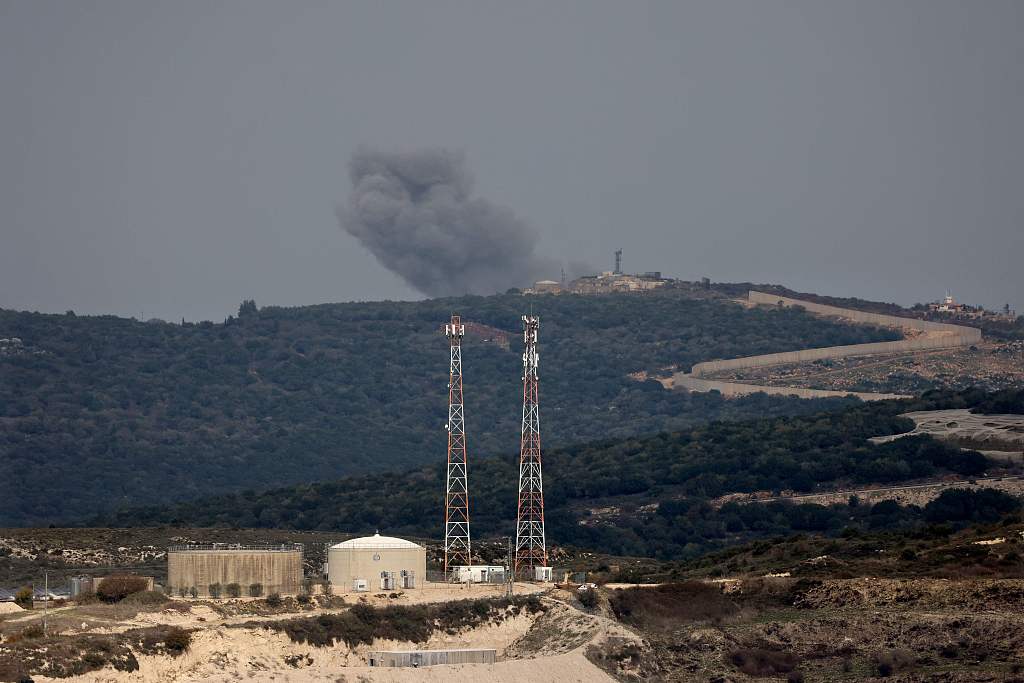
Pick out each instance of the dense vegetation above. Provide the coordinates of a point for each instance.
(1008, 401)
(102, 411)
(659, 486)
(362, 624)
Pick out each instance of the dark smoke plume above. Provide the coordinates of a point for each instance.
(415, 212)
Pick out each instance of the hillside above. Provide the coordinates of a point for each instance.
(647, 496)
(97, 412)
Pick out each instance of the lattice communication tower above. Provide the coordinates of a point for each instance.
(531, 547)
(456, 503)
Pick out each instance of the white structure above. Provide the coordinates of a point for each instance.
(542, 574)
(376, 563)
(479, 573)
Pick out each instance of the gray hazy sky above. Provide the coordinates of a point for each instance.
(175, 157)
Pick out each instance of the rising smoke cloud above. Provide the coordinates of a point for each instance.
(416, 213)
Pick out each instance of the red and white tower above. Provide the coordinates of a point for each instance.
(456, 501)
(531, 548)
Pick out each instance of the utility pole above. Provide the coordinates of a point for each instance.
(509, 575)
(456, 504)
(46, 597)
(531, 546)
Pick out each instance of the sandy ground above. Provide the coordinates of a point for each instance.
(531, 648)
(10, 608)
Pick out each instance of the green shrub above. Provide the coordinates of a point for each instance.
(274, 600)
(146, 598)
(672, 603)
(177, 640)
(23, 598)
(233, 590)
(761, 662)
(588, 598)
(215, 590)
(117, 587)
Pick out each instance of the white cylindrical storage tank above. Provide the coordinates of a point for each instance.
(376, 563)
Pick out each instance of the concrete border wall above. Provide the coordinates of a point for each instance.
(733, 389)
(881, 319)
(937, 336)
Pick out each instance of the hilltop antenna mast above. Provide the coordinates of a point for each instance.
(618, 262)
(531, 547)
(456, 501)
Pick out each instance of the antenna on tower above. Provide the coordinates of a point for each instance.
(531, 547)
(618, 262)
(456, 500)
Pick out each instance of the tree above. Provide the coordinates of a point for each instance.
(214, 590)
(23, 598)
(255, 590)
(117, 587)
(248, 309)
(233, 590)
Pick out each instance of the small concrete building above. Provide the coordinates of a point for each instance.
(417, 658)
(479, 573)
(376, 563)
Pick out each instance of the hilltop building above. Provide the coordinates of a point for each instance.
(950, 307)
(607, 282)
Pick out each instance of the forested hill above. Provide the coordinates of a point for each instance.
(98, 412)
(645, 496)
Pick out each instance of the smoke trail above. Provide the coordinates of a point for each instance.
(416, 214)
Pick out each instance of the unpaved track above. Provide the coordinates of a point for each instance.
(930, 336)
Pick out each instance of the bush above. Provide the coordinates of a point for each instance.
(214, 590)
(587, 598)
(761, 662)
(889, 662)
(89, 598)
(177, 640)
(117, 587)
(303, 598)
(672, 603)
(234, 590)
(146, 598)
(23, 598)
(274, 600)
(255, 590)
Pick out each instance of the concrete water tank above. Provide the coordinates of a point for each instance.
(383, 562)
(277, 569)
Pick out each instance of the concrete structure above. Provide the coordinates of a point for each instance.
(416, 658)
(734, 389)
(81, 585)
(383, 562)
(278, 569)
(479, 573)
